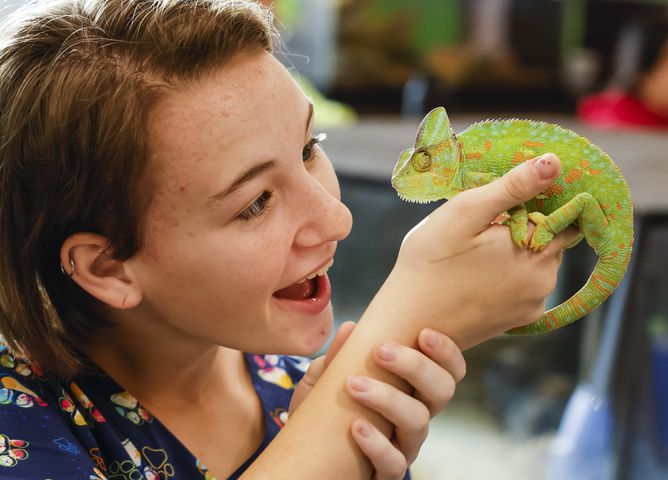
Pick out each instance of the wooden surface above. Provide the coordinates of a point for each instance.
(370, 149)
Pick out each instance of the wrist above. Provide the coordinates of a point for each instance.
(402, 308)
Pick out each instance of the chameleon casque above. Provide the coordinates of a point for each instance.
(590, 192)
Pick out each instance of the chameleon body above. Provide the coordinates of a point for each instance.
(590, 192)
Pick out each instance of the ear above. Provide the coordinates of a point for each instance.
(86, 259)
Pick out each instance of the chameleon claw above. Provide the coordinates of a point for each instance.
(537, 248)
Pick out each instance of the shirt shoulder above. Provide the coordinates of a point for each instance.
(36, 438)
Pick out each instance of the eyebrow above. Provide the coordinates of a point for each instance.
(253, 171)
(309, 117)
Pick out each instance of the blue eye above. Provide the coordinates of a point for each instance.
(307, 152)
(257, 208)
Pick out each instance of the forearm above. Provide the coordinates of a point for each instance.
(316, 442)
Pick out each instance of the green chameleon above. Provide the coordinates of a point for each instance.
(590, 192)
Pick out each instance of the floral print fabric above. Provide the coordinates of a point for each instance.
(92, 429)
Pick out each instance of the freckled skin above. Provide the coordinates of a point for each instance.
(590, 193)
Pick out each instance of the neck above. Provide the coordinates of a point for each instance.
(168, 370)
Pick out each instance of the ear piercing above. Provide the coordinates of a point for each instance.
(62, 268)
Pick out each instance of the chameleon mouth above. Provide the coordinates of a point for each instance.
(417, 200)
(416, 186)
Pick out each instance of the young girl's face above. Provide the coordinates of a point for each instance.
(245, 205)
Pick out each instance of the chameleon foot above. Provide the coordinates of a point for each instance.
(542, 235)
(518, 226)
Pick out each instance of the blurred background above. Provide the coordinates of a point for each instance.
(589, 401)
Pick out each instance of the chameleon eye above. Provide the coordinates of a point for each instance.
(421, 160)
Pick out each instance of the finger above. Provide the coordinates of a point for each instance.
(519, 185)
(340, 338)
(444, 351)
(307, 382)
(433, 379)
(409, 415)
(387, 460)
(567, 237)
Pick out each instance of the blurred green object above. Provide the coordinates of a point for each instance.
(287, 12)
(657, 326)
(436, 23)
(328, 113)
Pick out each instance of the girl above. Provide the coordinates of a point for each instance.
(165, 209)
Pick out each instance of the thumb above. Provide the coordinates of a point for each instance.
(519, 185)
(307, 383)
(339, 339)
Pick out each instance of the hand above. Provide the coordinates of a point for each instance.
(432, 370)
(460, 274)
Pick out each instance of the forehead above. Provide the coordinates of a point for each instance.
(250, 98)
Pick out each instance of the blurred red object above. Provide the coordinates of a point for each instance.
(616, 108)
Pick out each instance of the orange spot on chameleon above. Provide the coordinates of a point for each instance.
(553, 190)
(474, 156)
(518, 158)
(574, 175)
(530, 143)
(438, 181)
(488, 145)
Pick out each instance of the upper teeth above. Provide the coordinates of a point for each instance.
(320, 272)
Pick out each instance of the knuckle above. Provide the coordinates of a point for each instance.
(454, 358)
(538, 312)
(549, 284)
(515, 187)
(445, 395)
(409, 360)
(422, 418)
(449, 389)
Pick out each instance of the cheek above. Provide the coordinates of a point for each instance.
(260, 257)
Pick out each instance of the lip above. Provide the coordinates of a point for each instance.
(311, 271)
(311, 306)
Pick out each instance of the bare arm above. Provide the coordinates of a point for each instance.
(455, 273)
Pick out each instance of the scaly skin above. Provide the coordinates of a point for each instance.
(590, 192)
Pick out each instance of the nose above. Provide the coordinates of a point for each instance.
(325, 218)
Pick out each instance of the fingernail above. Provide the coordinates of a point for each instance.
(359, 384)
(364, 428)
(387, 351)
(543, 165)
(432, 339)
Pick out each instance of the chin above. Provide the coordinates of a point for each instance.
(309, 336)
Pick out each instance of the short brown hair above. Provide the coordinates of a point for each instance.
(77, 81)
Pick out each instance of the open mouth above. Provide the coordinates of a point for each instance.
(299, 290)
(305, 288)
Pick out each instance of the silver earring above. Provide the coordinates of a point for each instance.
(62, 269)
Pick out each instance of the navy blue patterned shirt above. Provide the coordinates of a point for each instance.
(92, 429)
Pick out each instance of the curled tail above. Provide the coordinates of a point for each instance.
(607, 274)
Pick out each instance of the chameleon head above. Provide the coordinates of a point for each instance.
(425, 172)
